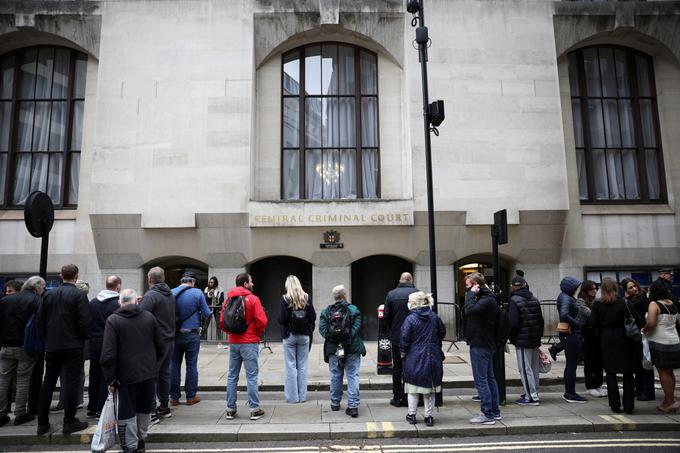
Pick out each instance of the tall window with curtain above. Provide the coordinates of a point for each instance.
(42, 93)
(330, 146)
(616, 126)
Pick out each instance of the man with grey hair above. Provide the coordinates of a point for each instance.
(190, 305)
(161, 303)
(15, 362)
(340, 325)
(132, 349)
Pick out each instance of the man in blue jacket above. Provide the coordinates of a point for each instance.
(481, 336)
(190, 304)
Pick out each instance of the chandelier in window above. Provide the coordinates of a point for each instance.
(330, 172)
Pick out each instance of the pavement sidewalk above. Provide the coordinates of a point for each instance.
(205, 422)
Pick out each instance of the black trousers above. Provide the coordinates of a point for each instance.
(96, 388)
(71, 360)
(36, 383)
(644, 382)
(628, 392)
(397, 374)
(592, 362)
(572, 349)
(138, 398)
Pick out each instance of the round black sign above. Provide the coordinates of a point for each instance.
(39, 214)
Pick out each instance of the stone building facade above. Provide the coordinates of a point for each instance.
(225, 136)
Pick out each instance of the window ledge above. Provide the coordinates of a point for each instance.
(626, 209)
(18, 214)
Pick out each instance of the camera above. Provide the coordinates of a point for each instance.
(340, 352)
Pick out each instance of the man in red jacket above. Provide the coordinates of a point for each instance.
(244, 348)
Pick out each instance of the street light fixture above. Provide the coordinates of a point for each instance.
(433, 115)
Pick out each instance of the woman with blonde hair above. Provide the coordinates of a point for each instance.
(421, 348)
(297, 317)
(608, 316)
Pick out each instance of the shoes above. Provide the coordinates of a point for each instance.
(498, 417)
(230, 414)
(74, 426)
(395, 402)
(646, 398)
(44, 429)
(335, 408)
(4, 420)
(353, 412)
(80, 406)
(476, 398)
(595, 393)
(616, 410)
(482, 420)
(411, 418)
(574, 398)
(429, 421)
(256, 415)
(57, 408)
(174, 402)
(25, 418)
(155, 419)
(164, 412)
(141, 446)
(195, 400)
(603, 390)
(92, 414)
(523, 401)
(628, 411)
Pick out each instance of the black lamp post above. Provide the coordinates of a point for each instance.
(433, 115)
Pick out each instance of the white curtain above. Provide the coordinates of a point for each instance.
(611, 124)
(41, 126)
(582, 177)
(291, 174)
(630, 174)
(22, 179)
(39, 172)
(54, 178)
(348, 165)
(652, 163)
(615, 175)
(313, 181)
(369, 177)
(600, 175)
(75, 177)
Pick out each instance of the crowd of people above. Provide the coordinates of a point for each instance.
(136, 345)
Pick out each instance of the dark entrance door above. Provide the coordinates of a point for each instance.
(175, 266)
(269, 276)
(372, 278)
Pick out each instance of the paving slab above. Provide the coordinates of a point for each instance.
(193, 433)
(297, 413)
(460, 428)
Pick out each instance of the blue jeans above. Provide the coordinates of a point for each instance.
(481, 360)
(351, 370)
(295, 354)
(248, 355)
(186, 344)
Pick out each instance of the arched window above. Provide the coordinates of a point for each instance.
(42, 92)
(330, 139)
(616, 126)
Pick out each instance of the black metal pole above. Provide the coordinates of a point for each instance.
(422, 56)
(499, 357)
(44, 241)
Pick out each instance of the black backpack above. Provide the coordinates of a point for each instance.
(298, 322)
(234, 315)
(502, 326)
(339, 323)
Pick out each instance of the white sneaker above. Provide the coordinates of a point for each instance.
(603, 390)
(596, 393)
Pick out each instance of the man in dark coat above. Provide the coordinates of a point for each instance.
(481, 336)
(64, 321)
(525, 321)
(666, 279)
(133, 346)
(15, 361)
(395, 312)
(160, 302)
(101, 307)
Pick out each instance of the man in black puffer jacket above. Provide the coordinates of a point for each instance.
(395, 312)
(133, 346)
(525, 331)
(160, 302)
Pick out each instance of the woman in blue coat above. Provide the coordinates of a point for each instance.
(421, 348)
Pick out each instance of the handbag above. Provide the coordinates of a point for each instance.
(545, 362)
(646, 354)
(632, 329)
(105, 435)
(563, 327)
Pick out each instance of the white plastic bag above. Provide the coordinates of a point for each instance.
(105, 435)
(546, 362)
(646, 354)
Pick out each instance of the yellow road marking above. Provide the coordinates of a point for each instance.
(372, 428)
(388, 429)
